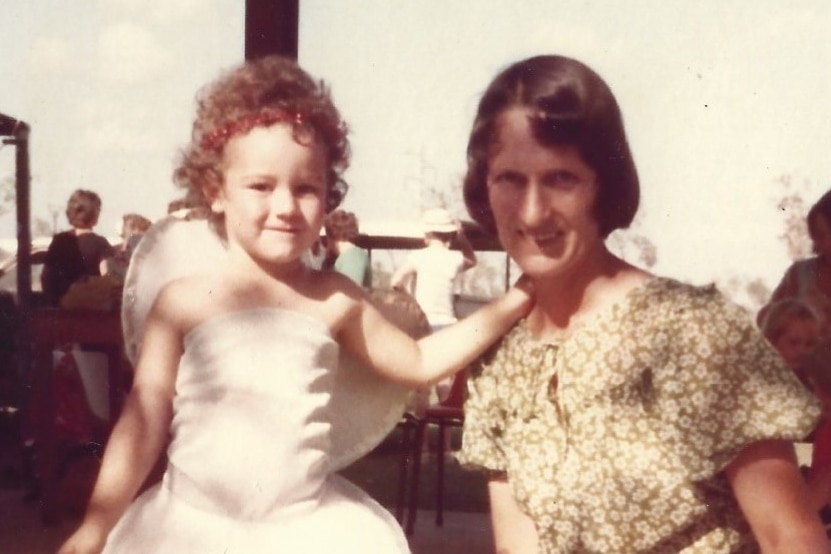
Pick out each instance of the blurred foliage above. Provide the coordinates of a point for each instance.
(793, 210)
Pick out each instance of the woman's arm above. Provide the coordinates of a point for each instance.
(513, 530)
(774, 499)
(137, 438)
(394, 354)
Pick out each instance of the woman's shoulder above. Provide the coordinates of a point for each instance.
(667, 290)
(666, 298)
(693, 310)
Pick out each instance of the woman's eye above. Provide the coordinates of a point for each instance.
(507, 178)
(562, 180)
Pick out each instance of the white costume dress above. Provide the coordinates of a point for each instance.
(266, 411)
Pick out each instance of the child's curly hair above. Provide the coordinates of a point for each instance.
(260, 92)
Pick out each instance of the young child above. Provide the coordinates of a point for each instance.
(238, 365)
(792, 327)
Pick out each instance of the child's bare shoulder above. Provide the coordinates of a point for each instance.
(191, 299)
(193, 288)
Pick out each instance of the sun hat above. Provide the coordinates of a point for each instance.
(438, 220)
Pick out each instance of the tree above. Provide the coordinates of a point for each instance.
(793, 211)
(633, 246)
(7, 194)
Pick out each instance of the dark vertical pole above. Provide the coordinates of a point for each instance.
(19, 132)
(271, 27)
(24, 232)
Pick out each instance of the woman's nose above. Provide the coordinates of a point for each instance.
(534, 205)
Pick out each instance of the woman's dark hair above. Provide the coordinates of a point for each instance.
(821, 208)
(83, 209)
(568, 104)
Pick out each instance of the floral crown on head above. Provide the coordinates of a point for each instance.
(216, 139)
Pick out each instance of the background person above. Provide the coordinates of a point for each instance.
(78, 252)
(133, 227)
(430, 273)
(792, 327)
(810, 279)
(627, 412)
(343, 255)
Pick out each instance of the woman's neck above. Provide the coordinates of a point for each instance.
(562, 303)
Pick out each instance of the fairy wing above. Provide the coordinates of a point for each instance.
(365, 407)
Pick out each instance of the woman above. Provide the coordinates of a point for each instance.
(77, 253)
(810, 279)
(343, 255)
(627, 412)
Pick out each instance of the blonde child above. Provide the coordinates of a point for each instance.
(792, 327)
(238, 364)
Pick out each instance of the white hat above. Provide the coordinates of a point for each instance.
(438, 220)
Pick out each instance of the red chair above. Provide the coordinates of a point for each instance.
(446, 413)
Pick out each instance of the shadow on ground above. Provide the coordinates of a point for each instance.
(377, 473)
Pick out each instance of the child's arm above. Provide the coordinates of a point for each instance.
(394, 354)
(139, 435)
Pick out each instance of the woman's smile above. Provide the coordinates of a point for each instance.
(542, 198)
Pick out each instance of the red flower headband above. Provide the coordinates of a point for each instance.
(215, 140)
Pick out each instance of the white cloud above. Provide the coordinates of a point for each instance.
(129, 54)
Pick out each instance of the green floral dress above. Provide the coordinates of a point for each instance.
(614, 438)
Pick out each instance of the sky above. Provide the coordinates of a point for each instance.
(721, 98)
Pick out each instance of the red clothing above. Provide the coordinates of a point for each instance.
(821, 456)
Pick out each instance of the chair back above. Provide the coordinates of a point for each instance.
(456, 397)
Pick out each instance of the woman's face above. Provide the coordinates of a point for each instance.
(542, 198)
(821, 237)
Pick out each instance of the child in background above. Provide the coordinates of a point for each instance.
(238, 364)
(792, 327)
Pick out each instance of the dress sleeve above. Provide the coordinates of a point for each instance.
(484, 422)
(723, 386)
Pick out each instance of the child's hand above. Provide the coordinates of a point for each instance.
(86, 540)
(521, 295)
(525, 284)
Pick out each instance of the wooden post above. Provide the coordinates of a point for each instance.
(271, 27)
